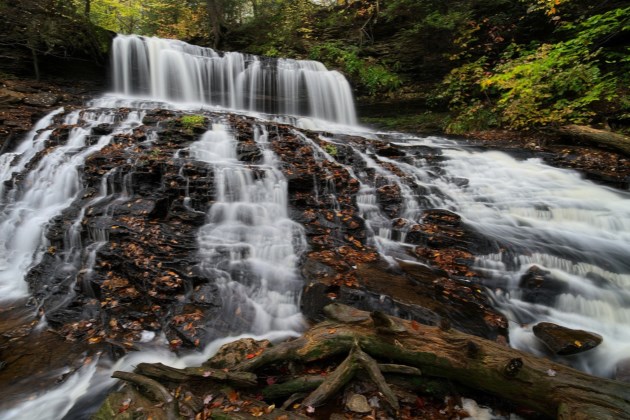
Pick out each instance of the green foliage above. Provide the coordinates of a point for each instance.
(553, 84)
(566, 81)
(423, 122)
(331, 149)
(462, 85)
(477, 116)
(375, 78)
(191, 122)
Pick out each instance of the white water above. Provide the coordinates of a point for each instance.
(552, 218)
(73, 398)
(175, 71)
(249, 246)
(50, 187)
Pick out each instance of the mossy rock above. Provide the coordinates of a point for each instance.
(128, 404)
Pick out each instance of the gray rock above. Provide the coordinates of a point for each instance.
(8, 97)
(42, 99)
(565, 341)
(358, 403)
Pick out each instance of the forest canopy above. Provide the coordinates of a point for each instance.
(489, 63)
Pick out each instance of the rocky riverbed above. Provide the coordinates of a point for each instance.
(144, 280)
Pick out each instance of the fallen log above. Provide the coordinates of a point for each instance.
(596, 137)
(170, 374)
(547, 387)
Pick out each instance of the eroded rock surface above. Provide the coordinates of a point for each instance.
(143, 201)
(566, 341)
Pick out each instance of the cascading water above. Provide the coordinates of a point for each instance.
(248, 244)
(176, 71)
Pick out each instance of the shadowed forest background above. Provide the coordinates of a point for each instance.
(458, 66)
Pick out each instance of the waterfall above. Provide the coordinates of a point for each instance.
(249, 228)
(249, 237)
(175, 71)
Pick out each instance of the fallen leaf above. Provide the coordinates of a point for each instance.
(233, 396)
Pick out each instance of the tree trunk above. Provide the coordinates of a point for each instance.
(547, 387)
(216, 11)
(599, 138)
(35, 64)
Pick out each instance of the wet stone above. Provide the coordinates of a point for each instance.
(565, 341)
(358, 403)
(102, 129)
(206, 295)
(539, 286)
(42, 99)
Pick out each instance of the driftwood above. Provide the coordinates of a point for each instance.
(547, 387)
(600, 138)
(385, 350)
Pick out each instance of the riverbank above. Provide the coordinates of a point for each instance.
(597, 163)
(24, 101)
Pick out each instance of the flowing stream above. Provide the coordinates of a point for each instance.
(577, 231)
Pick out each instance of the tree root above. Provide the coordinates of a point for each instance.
(405, 350)
(472, 361)
(159, 392)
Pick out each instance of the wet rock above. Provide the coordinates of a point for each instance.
(206, 294)
(539, 286)
(231, 354)
(44, 99)
(102, 129)
(419, 293)
(10, 97)
(566, 341)
(248, 152)
(443, 217)
(387, 150)
(390, 199)
(357, 403)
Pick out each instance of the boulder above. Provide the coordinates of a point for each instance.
(539, 286)
(359, 404)
(565, 341)
(42, 99)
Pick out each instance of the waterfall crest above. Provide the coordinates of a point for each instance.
(176, 71)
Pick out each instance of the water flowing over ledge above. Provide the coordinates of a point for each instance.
(250, 198)
(176, 71)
